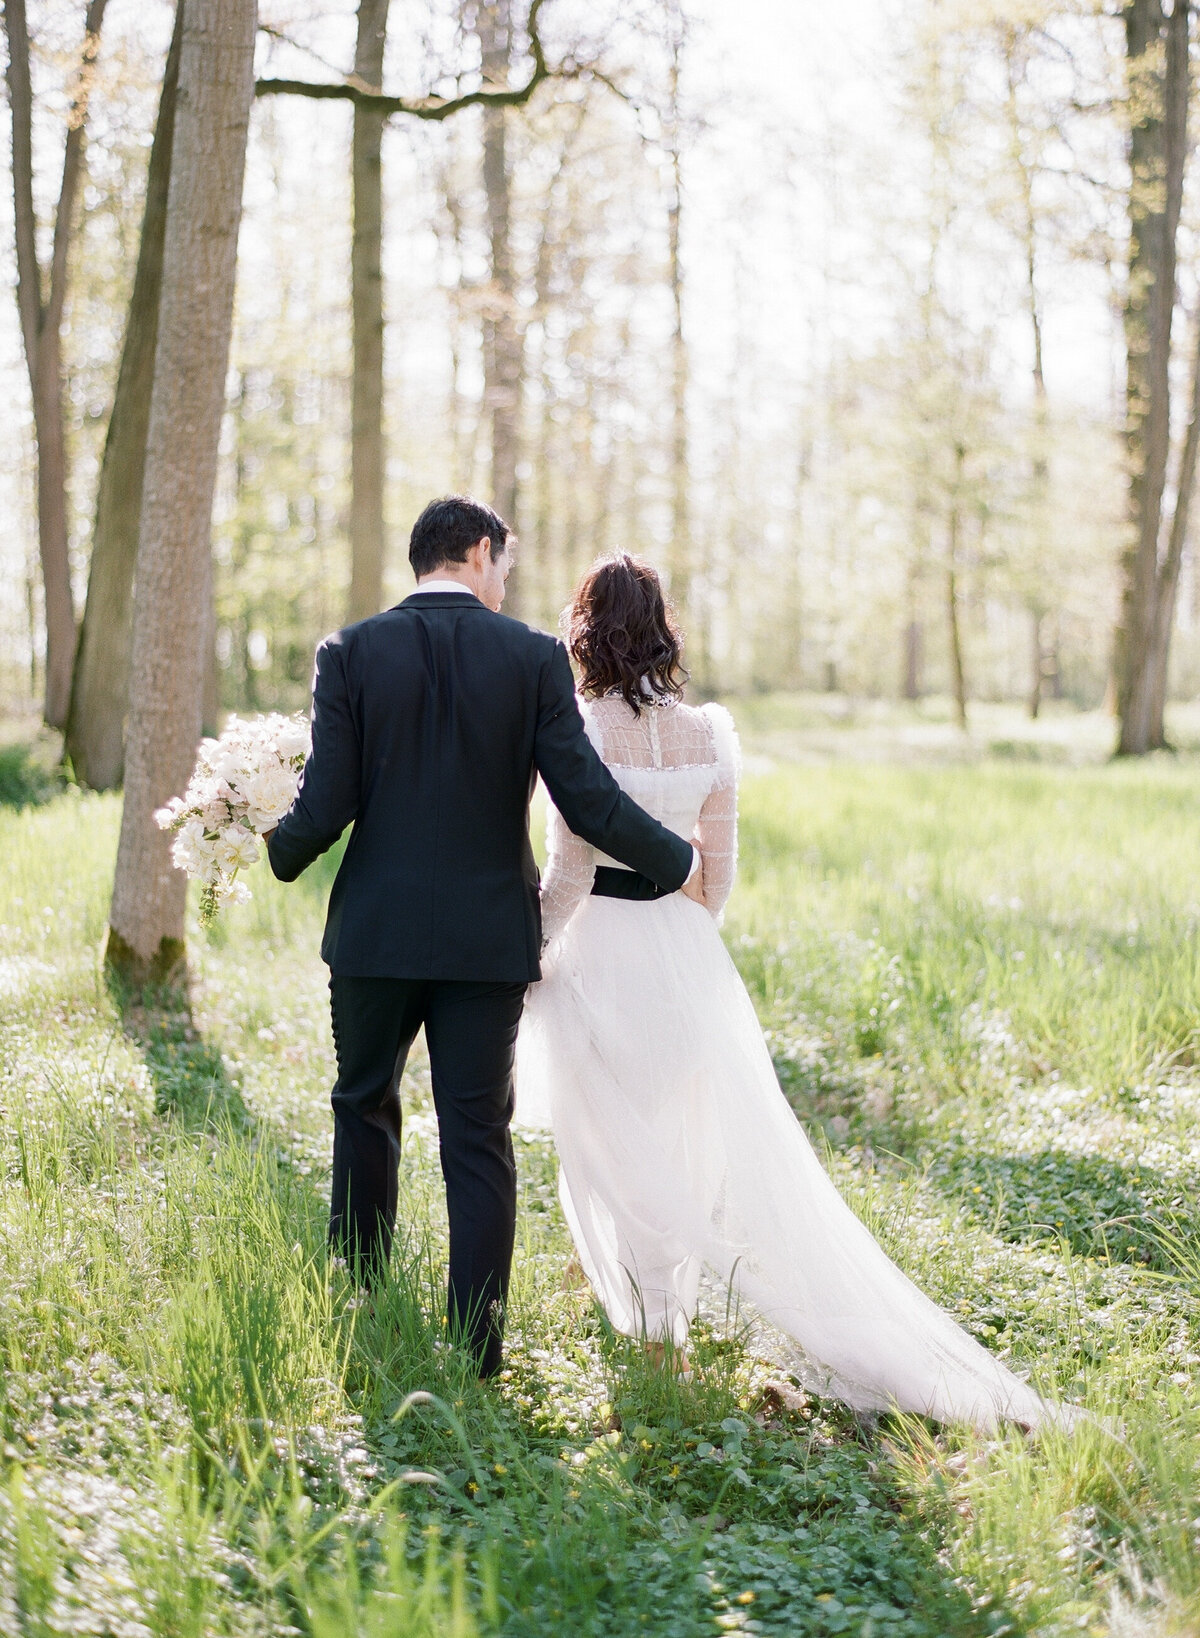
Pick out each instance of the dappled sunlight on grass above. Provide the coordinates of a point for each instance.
(979, 985)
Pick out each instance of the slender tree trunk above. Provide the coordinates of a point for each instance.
(1014, 42)
(210, 698)
(913, 662)
(910, 684)
(1052, 664)
(1168, 579)
(1040, 475)
(682, 567)
(460, 436)
(95, 738)
(41, 299)
(541, 568)
(958, 676)
(680, 558)
(503, 339)
(1037, 663)
(216, 85)
(368, 457)
(1157, 148)
(31, 619)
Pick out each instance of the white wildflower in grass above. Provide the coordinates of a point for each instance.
(242, 785)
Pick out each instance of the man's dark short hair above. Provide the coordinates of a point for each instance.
(448, 528)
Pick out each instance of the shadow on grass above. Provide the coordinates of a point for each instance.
(1119, 1211)
(191, 1083)
(671, 1507)
(677, 1509)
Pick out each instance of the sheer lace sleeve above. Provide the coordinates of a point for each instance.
(570, 871)
(716, 829)
(570, 861)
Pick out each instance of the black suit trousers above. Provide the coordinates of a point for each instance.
(471, 1033)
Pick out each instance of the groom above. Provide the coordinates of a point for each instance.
(430, 722)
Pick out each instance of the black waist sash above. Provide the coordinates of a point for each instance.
(626, 884)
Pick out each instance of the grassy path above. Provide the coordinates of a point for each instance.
(981, 987)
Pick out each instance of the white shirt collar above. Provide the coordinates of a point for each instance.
(442, 586)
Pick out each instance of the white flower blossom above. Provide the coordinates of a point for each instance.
(269, 794)
(242, 785)
(292, 741)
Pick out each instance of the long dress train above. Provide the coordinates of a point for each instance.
(678, 1151)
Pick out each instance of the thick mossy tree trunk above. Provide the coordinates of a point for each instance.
(1157, 59)
(216, 85)
(95, 738)
(41, 300)
(368, 457)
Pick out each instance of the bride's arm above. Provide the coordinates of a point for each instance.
(569, 875)
(716, 833)
(716, 830)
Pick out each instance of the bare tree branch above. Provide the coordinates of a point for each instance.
(282, 37)
(432, 107)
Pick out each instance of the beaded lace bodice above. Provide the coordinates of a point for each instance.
(677, 762)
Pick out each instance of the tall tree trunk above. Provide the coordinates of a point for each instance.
(210, 697)
(1014, 42)
(503, 340)
(216, 85)
(462, 425)
(1040, 474)
(1168, 579)
(95, 737)
(543, 570)
(680, 559)
(958, 675)
(920, 559)
(1037, 662)
(1157, 151)
(41, 300)
(910, 681)
(368, 459)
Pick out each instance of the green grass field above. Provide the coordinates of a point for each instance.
(980, 983)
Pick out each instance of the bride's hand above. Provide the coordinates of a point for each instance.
(693, 888)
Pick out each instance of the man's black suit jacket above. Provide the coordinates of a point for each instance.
(430, 723)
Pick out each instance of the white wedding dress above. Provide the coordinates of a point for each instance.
(679, 1154)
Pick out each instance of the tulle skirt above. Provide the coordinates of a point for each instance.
(679, 1155)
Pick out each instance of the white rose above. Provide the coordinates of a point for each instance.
(292, 740)
(269, 795)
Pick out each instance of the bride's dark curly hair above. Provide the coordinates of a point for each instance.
(622, 633)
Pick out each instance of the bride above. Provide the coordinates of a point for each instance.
(678, 1151)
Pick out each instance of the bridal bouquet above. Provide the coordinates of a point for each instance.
(242, 785)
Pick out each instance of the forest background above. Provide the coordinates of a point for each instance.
(880, 332)
(825, 315)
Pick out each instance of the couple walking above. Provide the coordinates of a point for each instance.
(639, 1044)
